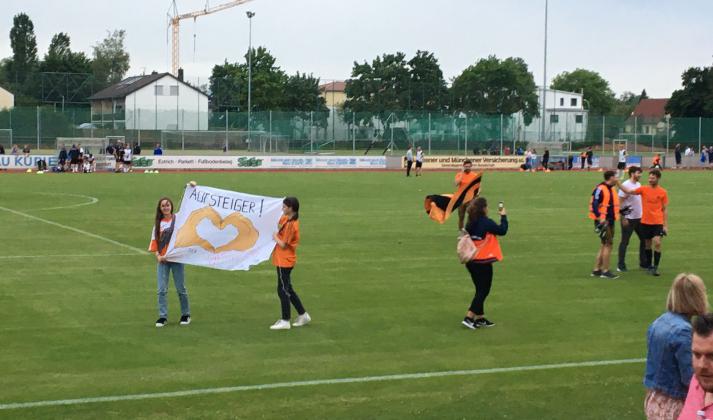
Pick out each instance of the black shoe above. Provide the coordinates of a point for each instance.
(596, 273)
(608, 275)
(483, 323)
(654, 272)
(185, 320)
(161, 322)
(621, 268)
(469, 323)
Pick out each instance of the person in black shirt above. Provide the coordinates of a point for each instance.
(483, 231)
(74, 158)
(62, 157)
(546, 160)
(677, 152)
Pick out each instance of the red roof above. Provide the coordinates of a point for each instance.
(335, 86)
(650, 108)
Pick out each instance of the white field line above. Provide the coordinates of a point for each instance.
(59, 225)
(92, 200)
(20, 257)
(384, 378)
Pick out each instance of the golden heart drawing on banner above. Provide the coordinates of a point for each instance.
(188, 233)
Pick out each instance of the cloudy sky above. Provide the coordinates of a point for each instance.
(635, 44)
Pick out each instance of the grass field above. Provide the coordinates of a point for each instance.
(380, 280)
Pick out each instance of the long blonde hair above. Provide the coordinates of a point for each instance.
(687, 295)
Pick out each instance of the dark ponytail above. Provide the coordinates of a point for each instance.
(159, 216)
(476, 208)
(294, 204)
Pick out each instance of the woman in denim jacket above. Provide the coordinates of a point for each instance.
(668, 360)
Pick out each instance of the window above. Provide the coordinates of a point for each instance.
(561, 101)
(579, 119)
(173, 90)
(554, 118)
(573, 101)
(646, 129)
(159, 90)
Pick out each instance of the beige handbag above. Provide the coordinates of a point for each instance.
(465, 248)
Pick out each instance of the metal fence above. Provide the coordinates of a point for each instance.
(341, 131)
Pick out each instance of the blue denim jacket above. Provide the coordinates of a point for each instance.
(668, 361)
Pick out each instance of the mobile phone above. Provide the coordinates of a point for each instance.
(500, 205)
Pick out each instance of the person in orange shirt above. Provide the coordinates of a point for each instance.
(656, 163)
(462, 180)
(654, 218)
(284, 258)
(160, 237)
(604, 211)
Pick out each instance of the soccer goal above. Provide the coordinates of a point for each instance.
(255, 141)
(93, 145)
(6, 138)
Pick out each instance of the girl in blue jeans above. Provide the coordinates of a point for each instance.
(160, 237)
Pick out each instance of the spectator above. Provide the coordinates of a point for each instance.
(62, 158)
(507, 151)
(710, 155)
(570, 162)
(697, 405)
(137, 149)
(590, 157)
(15, 150)
(127, 157)
(519, 151)
(2, 149)
(74, 158)
(677, 153)
(157, 151)
(528, 160)
(546, 160)
(533, 160)
(110, 150)
(26, 150)
(689, 151)
(583, 159)
(704, 155)
(668, 360)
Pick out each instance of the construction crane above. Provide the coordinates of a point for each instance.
(175, 20)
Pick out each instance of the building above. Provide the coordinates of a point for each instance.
(565, 119)
(648, 118)
(333, 93)
(159, 101)
(7, 99)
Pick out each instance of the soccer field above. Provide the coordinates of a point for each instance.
(381, 281)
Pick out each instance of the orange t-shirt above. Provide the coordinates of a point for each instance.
(153, 245)
(289, 232)
(465, 178)
(653, 201)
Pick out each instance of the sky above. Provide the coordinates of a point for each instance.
(634, 44)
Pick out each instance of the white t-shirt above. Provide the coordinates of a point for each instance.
(419, 156)
(127, 154)
(409, 155)
(622, 156)
(631, 201)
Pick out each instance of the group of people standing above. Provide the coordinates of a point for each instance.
(75, 160)
(410, 160)
(123, 154)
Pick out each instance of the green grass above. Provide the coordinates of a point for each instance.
(380, 280)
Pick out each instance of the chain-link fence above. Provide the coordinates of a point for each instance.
(342, 131)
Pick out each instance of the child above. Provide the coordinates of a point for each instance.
(284, 257)
(160, 237)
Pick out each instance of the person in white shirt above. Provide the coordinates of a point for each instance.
(128, 152)
(689, 151)
(621, 166)
(409, 160)
(419, 161)
(631, 210)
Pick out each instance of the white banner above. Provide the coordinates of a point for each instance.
(224, 229)
(22, 162)
(259, 162)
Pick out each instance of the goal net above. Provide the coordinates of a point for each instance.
(93, 145)
(219, 141)
(6, 138)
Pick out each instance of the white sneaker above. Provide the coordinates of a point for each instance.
(281, 324)
(301, 320)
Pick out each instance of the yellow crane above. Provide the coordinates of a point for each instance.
(175, 20)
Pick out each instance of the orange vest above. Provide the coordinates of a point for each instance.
(488, 249)
(608, 194)
(657, 160)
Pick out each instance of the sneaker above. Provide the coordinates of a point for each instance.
(469, 323)
(185, 320)
(301, 320)
(621, 268)
(608, 275)
(161, 322)
(654, 272)
(483, 323)
(281, 324)
(596, 273)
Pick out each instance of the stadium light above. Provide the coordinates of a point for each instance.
(250, 67)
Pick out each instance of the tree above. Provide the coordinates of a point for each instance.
(380, 87)
(427, 88)
(624, 105)
(695, 99)
(597, 92)
(60, 57)
(643, 95)
(495, 86)
(24, 50)
(111, 61)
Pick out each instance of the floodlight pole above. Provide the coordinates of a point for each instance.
(544, 79)
(250, 67)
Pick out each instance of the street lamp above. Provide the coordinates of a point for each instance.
(250, 68)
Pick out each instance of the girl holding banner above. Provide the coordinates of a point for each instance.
(160, 237)
(284, 258)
